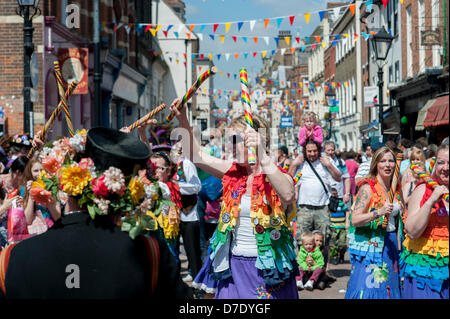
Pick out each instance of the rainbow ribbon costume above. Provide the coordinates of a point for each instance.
(276, 253)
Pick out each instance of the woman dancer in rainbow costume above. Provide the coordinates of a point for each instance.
(251, 254)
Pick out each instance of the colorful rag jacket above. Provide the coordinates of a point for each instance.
(368, 241)
(276, 255)
(426, 258)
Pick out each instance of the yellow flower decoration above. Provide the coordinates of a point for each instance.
(136, 189)
(74, 179)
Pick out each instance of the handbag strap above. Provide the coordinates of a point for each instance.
(321, 182)
(4, 261)
(152, 246)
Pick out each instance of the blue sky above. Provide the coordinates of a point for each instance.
(221, 11)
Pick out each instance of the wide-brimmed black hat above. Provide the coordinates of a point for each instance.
(109, 147)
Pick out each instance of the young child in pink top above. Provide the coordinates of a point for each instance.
(310, 130)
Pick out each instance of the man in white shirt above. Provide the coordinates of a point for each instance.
(313, 195)
(342, 187)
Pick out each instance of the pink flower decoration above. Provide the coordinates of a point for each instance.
(99, 187)
(51, 164)
(41, 196)
(86, 163)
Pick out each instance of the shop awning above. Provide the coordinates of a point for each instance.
(437, 114)
(423, 114)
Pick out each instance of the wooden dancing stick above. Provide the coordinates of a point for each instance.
(54, 115)
(202, 78)
(145, 118)
(398, 160)
(65, 106)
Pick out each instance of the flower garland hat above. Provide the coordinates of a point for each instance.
(100, 169)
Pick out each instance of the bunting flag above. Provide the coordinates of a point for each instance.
(256, 40)
(252, 24)
(266, 23)
(222, 38)
(215, 27)
(211, 36)
(188, 35)
(321, 15)
(276, 40)
(191, 27)
(287, 39)
(279, 20)
(353, 7)
(227, 27)
(240, 24)
(234, 38)
(291, 19)
(263, 54)
(297, 39)
(317, 37)
(307, 16)
(385, 2)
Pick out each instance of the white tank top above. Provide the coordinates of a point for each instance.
(244, 241)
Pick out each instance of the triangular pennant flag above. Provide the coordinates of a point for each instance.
(321, 15)
(256, 40)
(222, 37)
(297, 39)
(291, 19)
(273, 52)
(191, 27)
(234, 38)
(352, 8)
(192, 57)
(385, 2)
(254, 54)
(266, 39)
(307, 16)
(355, 37)
(202, 56)
(282, 51)
(324, 44)
(346, 35)
(317, 37)
(176, 34)
(293, 50)
(184, 54)
(211, 36)
(307, 40)
(240, 24)
(215, 27)
(313, 46)
(263, 54)
(266, 23)
(279, 20)
(210, 57)
(245, 39)
(337, 36)
(148, 27)
(287, 39)
(303, 48)
(365, 35)
(276, 40)
(228, 74)
(333, 43)
(236, 55)
(227, 27)
(245, 55)
(221, 74)
(227, 56)
(153, 32)
(188, 35)
(252, 24)
(202, 27)
(169, 27)
(218, 58)
(165, 33)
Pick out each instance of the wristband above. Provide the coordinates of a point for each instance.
(374, 212)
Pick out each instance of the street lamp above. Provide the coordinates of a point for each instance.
(330, 96)
(24, 10)
(381, 44)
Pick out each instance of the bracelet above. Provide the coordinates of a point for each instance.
(374, 212)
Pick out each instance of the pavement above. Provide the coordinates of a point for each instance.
(334, 291)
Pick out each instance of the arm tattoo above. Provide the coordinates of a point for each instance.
(362, 199)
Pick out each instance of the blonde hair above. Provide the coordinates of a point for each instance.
(259, 124)
(309, 115)
(307, 237)
(373, 172)
(418, 155)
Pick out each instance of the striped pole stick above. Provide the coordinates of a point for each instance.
(248, 111)
(398, 160)
(202, 78)
(145, 118)
(65, 106)
(53, 116)
(427, 179)
(297, 178)
(432, 161)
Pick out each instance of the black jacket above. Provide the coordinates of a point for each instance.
(110, 264)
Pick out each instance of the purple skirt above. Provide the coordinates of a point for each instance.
(410, 290)
(246, 282)
(203, 279)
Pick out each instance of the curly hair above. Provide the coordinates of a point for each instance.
(309, 114)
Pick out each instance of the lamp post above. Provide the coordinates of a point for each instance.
(330, 96)
(381, 44)
(24, 10)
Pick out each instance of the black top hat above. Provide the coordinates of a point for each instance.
(109, 147)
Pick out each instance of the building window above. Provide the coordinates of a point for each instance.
(397, 71)
(395, 22)
(421, 16)
(391, 75)
(389, 15)
(409, 60)
(435, 25)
